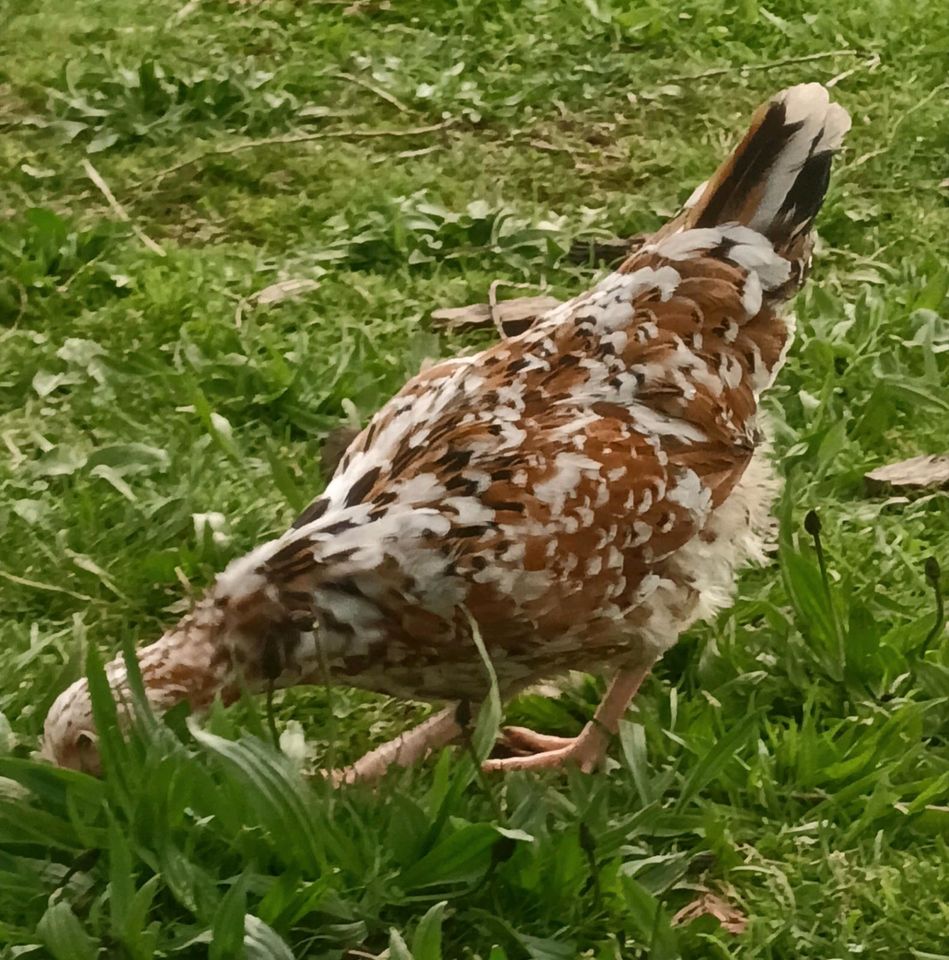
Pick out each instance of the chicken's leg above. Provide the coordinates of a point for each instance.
(406, 749)
(588, 750)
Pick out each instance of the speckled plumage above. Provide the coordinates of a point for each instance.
(584, 490)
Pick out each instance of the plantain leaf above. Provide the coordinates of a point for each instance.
(427, 941)
(59, 928)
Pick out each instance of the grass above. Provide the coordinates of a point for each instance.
(160, 417)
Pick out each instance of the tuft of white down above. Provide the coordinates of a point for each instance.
(741, 530)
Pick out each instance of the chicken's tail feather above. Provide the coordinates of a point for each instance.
(775, 180)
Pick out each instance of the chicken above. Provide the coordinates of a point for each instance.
(581, 493)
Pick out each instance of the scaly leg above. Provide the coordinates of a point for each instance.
(523, 740)
(588, 750)
(406, 749)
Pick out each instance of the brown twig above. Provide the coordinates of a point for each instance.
(51, 587)
(292, 138)
(118, 209)
(493, 302)
(538, 144)
(871, 64)
(182, 14)
(79, 271)
(17, 456)
(770, 65)
(493, 307)
(407, 154)
(372, 88)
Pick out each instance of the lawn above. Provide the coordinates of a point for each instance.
(165, 393)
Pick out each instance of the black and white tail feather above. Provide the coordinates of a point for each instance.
(775, 180)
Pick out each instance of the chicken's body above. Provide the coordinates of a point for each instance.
(550, 486)
(583, 491)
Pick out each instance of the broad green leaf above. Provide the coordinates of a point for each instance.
(809, 597)
(217, 425)
(63, 934)
(712, 763)
(919, 394)
(546, 948)
(261, 942)
(464, 855)
(398, 948)
(228, 925)
(934, 293)
(121, 883)
(408, 828)
(20, 822)
(110, 742)
(427, 940)
(275, 790)
(649, 920)
(129, 457)
(632, 738)
(933, 678)
(862, 641)
(190, 884)
(140, 935)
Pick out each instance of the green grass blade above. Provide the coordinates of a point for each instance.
(712, 763)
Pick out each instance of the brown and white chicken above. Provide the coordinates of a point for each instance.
(583, 492)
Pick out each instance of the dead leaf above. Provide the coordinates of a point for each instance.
(513, 316)
(283, 290)
(611, 250)
(927, 472)
(275, 293)
(732, 919)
